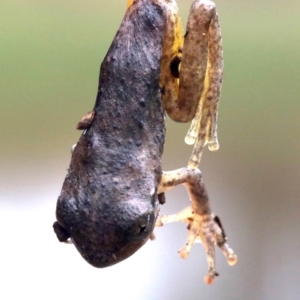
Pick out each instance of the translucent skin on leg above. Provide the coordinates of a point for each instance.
(202, 224)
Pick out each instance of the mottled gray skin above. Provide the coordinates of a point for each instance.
(109, 203)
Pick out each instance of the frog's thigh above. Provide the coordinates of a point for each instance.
(195, 56)
(193, 65)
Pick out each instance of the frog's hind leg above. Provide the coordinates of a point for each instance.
(203, 129)
(202, 224)
(191, 73)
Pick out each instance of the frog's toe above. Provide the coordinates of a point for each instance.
(152, 236)
(231, 257)
(210, 276)
(211, 233)
(214, 145)
(183, 253)
(183, 216)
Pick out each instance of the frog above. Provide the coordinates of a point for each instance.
(111, 196)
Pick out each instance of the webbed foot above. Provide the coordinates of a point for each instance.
(206, 229)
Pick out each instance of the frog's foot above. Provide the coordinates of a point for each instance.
(208, 230)
(152, 236)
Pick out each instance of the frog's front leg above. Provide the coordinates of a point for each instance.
(192, 73)
(202, 224)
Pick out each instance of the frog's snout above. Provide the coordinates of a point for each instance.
(107, 239)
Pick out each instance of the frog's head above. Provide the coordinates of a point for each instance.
(109, 234)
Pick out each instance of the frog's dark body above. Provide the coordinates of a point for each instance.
(108, 203)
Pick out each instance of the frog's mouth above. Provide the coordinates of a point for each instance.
(102, 254)
(109, 249)
(120, 255)
(114, 240)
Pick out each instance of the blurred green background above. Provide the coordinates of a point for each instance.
(50, 55)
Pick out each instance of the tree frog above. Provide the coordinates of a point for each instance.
(109, 202)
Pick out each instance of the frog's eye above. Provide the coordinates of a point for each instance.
(142, 227)
(174, 66)
(62, 233)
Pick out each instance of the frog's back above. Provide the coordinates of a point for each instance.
(128, 104)
(116, 166)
